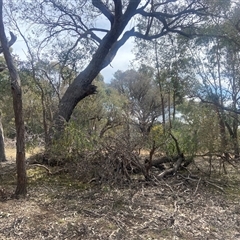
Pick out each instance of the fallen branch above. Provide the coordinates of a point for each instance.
(172, 170)
(215, 185)
(197, 186)
(195, 178)
(41, 166)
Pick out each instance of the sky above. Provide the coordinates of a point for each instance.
(122, 60)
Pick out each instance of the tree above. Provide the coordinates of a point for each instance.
(217, 68)
(17, 106)
(139, 88)
(76, 22)
(170, 59)
(43, 84)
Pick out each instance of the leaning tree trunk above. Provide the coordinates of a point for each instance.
(17, 106)
(82, 86)
(2, 146)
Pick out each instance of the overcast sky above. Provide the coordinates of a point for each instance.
(122, 60)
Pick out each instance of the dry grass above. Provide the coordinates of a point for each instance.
(11, 153)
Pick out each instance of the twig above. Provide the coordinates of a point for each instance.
(215, 185)
(197, 186)
(158, 181)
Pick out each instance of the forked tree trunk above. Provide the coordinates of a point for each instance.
(18, 109)
(2, 146)
(82, 86)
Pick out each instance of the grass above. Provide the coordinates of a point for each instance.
(11, 152)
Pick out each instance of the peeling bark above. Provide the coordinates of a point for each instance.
(2, 146)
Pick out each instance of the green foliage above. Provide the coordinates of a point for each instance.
(6, 106)
(101, 113)
(197, 128)
(157, 134)
(74, 142)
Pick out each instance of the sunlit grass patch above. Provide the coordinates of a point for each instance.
(11, 152)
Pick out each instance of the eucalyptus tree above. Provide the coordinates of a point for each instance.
(44, 83)
(217, 66)
(143, 106)
(93, 32)
(17, 106)
(173, 73)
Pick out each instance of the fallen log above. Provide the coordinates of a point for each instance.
(173, 169)
(158, 163)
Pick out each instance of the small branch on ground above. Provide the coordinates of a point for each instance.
(41, 166)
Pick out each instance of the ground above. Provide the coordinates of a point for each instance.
(178, 207)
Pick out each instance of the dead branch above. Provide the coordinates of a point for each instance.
(41, 166)
(158, 162)
(197, 186)
(173, 169)
(215, 185)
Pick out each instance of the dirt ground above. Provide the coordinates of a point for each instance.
(180, 207)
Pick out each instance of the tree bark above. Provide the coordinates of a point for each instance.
(18, 109)
(2, 146)
(81, 86)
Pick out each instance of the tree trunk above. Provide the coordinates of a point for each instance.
(81, 86)
(160, 89)
(2, 146)
(18, 110)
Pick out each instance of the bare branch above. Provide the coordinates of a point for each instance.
(144, 6)
(219, 105)
(168, 15)
(130, 11)
(105, 11)
(12, 40)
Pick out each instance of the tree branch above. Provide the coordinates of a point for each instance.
(149, 37)
(219, 105)
(168, 15)
(131, 10)
(105, 11)
(11, 42)
(113, 51)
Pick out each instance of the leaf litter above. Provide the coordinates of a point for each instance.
(174, 208)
